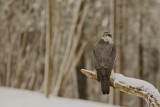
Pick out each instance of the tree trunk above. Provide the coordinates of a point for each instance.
(121, 46)
(47, 78)
(140, 48)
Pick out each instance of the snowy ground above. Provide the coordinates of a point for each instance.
(22, 98)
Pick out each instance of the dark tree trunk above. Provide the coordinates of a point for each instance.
(82, 80)
(140, 48)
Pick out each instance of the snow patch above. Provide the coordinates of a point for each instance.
(143, 86)
(91, 72)
(23, 98)
(112, 75)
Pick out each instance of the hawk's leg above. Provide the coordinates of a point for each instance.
(98, 74)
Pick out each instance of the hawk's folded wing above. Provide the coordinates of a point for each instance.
(104, 55)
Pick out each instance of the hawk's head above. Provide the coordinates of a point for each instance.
(105, 34)
(107, 37)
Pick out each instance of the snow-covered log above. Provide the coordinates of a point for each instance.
(131, 86)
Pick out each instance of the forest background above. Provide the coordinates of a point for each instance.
(45, 43)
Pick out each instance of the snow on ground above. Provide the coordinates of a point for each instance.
(10, 97)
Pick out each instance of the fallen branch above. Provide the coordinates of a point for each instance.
(131, 86)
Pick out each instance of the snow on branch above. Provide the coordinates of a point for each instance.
(131, 86)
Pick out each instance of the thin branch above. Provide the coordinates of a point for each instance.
(131, 86)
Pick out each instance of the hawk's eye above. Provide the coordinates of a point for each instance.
(110, 35)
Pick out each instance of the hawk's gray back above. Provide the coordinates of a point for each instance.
(104, 54)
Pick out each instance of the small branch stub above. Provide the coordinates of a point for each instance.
(131, 86)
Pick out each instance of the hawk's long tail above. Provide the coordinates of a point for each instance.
(104, 77)
(105, 86)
